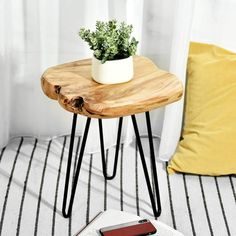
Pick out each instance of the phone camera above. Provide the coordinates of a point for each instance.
(142, 221)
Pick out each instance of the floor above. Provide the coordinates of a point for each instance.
(32, 174)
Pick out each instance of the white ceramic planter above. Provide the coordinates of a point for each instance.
(112, 72)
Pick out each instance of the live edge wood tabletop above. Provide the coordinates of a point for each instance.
(72, 85)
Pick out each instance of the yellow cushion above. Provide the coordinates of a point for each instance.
(208, 144)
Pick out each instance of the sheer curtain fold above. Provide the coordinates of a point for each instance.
(172, 121)
(5, 65)
(40, 34)
(220, 28)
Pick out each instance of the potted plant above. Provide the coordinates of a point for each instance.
(113, 47)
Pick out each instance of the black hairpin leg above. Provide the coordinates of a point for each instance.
(156, 211)
(103, 151)
(74, 183)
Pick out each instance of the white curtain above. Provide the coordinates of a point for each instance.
(172, 121)
(35, 35)
(214, 23)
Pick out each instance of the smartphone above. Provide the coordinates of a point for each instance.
(135, 228)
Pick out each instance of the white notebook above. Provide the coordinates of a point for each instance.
(114, 217)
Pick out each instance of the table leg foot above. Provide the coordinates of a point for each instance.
(156, 210)
(67, 213)
(104, 169)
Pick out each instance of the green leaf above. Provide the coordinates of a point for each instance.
(110, 40)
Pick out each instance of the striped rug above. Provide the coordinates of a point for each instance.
(32, 174)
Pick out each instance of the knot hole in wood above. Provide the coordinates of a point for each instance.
(78, 103)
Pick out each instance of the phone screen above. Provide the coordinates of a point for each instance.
(135, 228)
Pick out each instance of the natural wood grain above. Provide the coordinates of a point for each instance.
(71, 84)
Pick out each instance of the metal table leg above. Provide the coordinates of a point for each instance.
(67, 213)
(156, 211)
(103, 151)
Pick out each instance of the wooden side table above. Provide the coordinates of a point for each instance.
(72, 86)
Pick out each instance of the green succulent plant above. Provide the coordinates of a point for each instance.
(110, 40)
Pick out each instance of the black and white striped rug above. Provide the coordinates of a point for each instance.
(32, 174)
